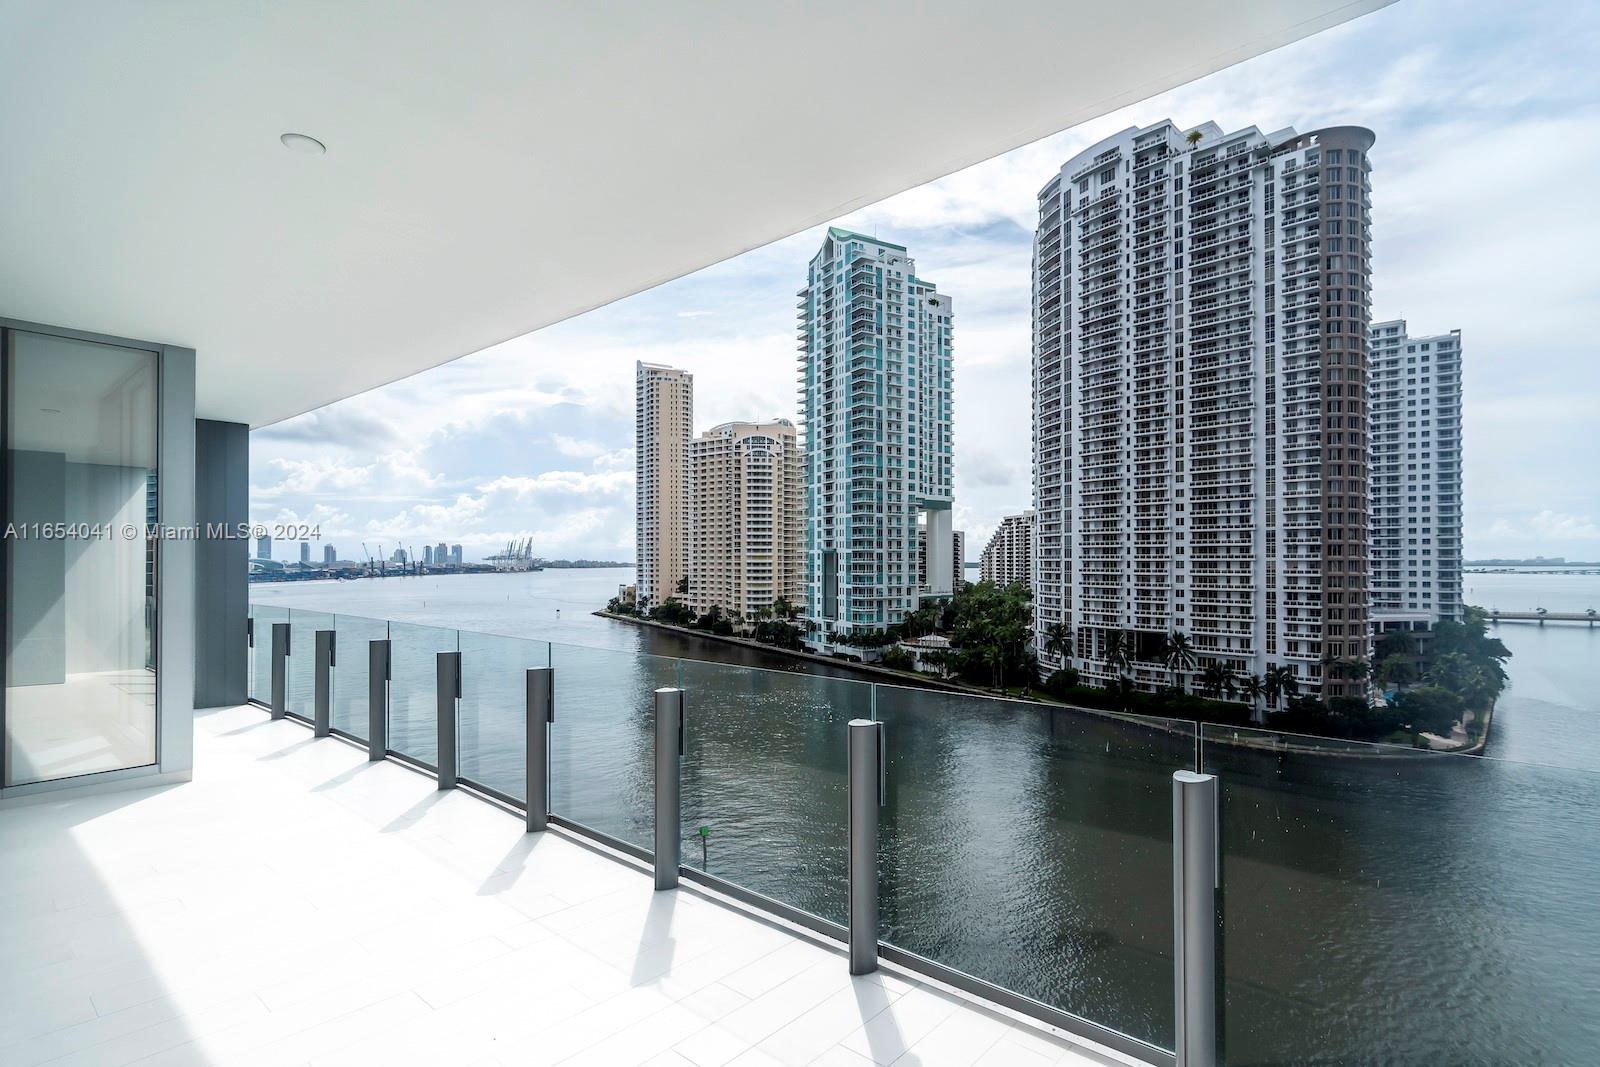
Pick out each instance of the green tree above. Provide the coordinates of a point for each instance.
(1397, 669)
(1279, 682)
(1118, 652)
(1058, 640)
(673, 612)
(1252, 687)
(1177, 652)
(1216, 681)
(1429, 710)
(991, 627)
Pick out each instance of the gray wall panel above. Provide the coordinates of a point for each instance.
(222, 498)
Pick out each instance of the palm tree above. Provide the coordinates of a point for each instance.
(1252, 687)
(1058, 641)
(1119, 652)
(1216, 680)
(1194, 137)
(1280, 682)
(1178, 654)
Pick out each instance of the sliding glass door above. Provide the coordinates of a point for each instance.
(80, 608)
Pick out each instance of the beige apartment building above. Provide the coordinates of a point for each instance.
(663, 425)
(746, 505)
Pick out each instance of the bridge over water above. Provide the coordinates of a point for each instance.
(1541, 617)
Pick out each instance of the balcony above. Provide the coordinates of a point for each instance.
(324, 908)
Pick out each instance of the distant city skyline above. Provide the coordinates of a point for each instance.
(533, 437)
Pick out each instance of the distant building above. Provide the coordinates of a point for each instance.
(663, 423)
(399, 556)
(875, 384)
(1414, 405)
(455, 555)
(263, 547)
(305, 552)
(427, 554)
(746, 505)
(1008, 557)
(958, 562)
(330, 554)
(441, 554)
(1200, 316)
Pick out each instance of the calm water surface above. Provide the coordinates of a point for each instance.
(1409, 910)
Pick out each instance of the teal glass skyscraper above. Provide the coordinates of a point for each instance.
(875, 390)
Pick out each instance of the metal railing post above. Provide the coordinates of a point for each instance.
(377, 699)
(322, 689)
(669, 759)
(866, 776)
(280, 668)
(447, 690)
(1194, 912)
(541, 713)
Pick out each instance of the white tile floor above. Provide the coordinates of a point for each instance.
(297, 905)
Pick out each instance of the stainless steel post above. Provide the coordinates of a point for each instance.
(377, 699)
(447, 691)
(322, 689)
(1194, 912)
(866, 776)
(541, 713)
(669, 757)
(280, 668)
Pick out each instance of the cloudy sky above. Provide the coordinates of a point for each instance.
(1484, 217)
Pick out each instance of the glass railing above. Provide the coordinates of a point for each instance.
(262, 616)
(1363, 914)
(348, 699)
(602, 743)
(413, 689)
(765, 800)
(300, 676)
(491, 720)
(1026, 851)
(1031, 847)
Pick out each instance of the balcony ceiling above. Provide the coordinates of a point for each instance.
(496, 166)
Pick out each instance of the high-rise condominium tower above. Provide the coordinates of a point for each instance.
(1008, 557)
(1415, 398)
(662, 424)
(263, 548)
(746, 503)
(1200, 313)
(875, 381)
(330, 554)
(957, 561)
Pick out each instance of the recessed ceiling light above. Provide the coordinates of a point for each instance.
(299, 142)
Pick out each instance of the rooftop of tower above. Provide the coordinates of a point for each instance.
(850, 235)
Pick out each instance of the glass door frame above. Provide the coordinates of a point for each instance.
(155, 553)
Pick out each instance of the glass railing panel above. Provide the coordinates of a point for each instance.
(352, 640)
(492, 716)
(300, 678)
(765, 795)
(261, 655)
(1031, 847)
(1366, 916)
(413, 688)
(602, 746)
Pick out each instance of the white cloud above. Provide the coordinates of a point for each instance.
(1488, 123)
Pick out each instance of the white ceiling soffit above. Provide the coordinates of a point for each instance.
(494, 166)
